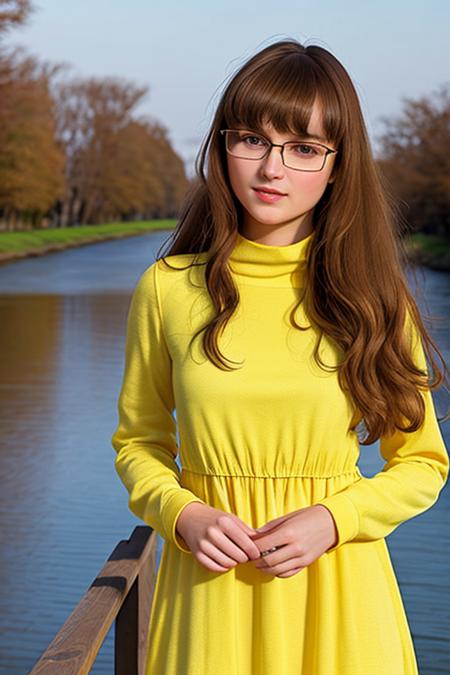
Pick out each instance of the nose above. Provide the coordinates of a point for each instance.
(272, 164)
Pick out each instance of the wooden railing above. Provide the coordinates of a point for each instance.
(122, 592)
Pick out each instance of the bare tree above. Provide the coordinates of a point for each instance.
(14, 13)
(415, 158)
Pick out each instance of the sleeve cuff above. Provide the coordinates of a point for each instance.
(345, 516)
(171, 513)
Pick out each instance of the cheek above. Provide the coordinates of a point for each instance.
(239, 175)
(312, 186)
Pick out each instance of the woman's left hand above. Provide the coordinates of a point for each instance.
(304, 535)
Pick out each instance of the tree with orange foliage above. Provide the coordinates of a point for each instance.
(31, 163)
(117, 166)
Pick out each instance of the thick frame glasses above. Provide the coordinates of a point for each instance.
(236, 145)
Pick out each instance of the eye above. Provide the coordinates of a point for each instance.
(250, 138)
(307, 149)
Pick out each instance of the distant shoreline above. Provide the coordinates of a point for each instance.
(427, 250)
(430, 251)
(27, 244)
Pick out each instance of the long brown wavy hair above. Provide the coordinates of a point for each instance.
(356, 290)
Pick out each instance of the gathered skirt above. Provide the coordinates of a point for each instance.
(341, 615)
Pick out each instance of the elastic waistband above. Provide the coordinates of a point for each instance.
(212, 473)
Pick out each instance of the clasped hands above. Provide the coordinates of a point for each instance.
(221, 540)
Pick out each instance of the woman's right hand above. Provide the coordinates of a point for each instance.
(217, 539)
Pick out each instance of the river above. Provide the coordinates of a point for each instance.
(62, 507)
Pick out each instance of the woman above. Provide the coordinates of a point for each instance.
(280, 326)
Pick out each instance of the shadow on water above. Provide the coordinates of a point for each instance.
(62, 507)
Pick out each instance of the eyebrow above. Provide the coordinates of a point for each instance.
(317, 138)
(312, 137)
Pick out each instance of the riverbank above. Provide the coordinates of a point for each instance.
(430, 251)
(16, 245)
(427, 250)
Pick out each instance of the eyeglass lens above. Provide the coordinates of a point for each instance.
(297, 154)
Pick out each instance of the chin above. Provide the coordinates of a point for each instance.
(270, 218)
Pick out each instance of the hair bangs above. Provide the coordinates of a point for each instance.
(282, 93)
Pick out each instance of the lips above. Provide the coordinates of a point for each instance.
(270, 191)
(268, 197)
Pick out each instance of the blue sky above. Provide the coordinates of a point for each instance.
(185, 51)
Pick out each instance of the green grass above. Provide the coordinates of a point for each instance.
(431, 242)
(35, 239)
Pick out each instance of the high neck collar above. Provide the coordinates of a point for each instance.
(264, 264)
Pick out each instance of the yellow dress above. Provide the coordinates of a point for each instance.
(261, 441)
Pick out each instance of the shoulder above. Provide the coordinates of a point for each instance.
(185, 270)
(177, 263)
(174, 273)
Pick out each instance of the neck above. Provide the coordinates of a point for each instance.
(270, 264)
(277, 235)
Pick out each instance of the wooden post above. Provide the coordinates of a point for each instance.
(75, 647)
(146, 587)
(130, 646)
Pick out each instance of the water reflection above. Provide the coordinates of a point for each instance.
(62, 508)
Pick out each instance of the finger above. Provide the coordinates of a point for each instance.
(247, 528)
(273, 523)
(237, 535)
(209, 563)
(216, 554)
(276, 536)
(287, 552)
(227, 546)
(268, 541)
(283, 567)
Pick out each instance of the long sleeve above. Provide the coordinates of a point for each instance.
(415, 471)
(145, 439)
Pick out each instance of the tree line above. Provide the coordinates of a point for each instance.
(74, 151)
(414, 157)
